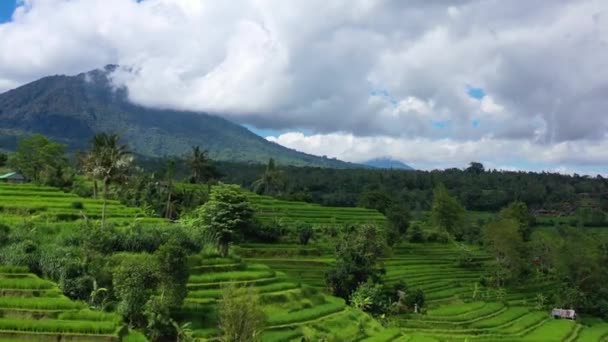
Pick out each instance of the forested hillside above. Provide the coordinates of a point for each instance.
(71, 109)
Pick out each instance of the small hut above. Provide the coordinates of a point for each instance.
(563, 313)
(12, 177)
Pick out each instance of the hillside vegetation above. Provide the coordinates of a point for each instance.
(71, 109)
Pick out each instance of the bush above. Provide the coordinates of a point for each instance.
(370, 297)
(77, 205)
(305, 233)
(240, 316)
(266, 233)
(441, 237)
(416, 234)
(4, 234)
(415, 297)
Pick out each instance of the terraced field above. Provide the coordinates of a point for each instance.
(19, 202)
(270, 209)
(33, 309)
(293, 310)
(459, 308)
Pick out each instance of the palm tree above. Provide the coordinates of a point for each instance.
(108, 161)
(271, 182)
(200, 165)
(169, 174)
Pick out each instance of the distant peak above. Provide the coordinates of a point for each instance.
(387, 163)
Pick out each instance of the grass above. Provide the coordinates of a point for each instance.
(25, 283)
(39, 303)
(553, 330)
(595, 332)
(58, 326)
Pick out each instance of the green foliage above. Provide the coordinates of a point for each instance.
(3, 159)
(502, 237)
(4, 234)
(173, 273)
(226, 215)
(416, 235)
(305, 233)
(272, 181)
(77, 205)
(399, 218)
(369, 297)
(40, 160)
(447, 213)
(376, 199)
(357, 255)
(134, 281)
(107, 161)
(519, 212)
(200, 165)
(159, 323)
(241, 318)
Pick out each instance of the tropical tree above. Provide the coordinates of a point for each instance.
(201, 169)
(446, 212)
(3, 159)
(39, 159)
(272, 181)
(519, 212)
(109, 162)
(227, 215)
(357, 256)
(502, 238)
(241, 318)
(169, 174)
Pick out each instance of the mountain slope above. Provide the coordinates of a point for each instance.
(387, 163)
(71, 109)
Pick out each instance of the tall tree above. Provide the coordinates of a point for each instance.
(201, 168)
(519, 212)
(3, 159)
(357, 256)
(446, 212)
(272, 181)
(109, 162)
(169, 174)
(228, 213)
(241, 318)
(502, 237)
(39, 158)
(475, 167)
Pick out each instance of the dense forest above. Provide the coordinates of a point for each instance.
(475, 187)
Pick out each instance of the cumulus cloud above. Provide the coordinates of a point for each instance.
(399, 70)
(588, 157)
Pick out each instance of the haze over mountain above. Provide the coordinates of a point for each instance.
(387, 163)
(71, 109)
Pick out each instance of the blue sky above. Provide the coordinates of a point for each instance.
(6, 9)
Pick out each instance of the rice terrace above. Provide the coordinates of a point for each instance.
(302, 171)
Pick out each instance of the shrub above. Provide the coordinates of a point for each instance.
(134, 282)
(77, 205)
(437, 236)
(266, 233)
(4, 234)
(415, 297)
(240, 316)
(416, 234)
(370, 297)
(305, 233)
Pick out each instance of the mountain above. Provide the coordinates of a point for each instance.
(71, 109)
(387, 163)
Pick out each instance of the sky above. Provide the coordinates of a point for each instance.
(516, 85)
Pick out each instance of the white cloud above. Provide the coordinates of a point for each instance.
(316, 64)
(424, 153)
